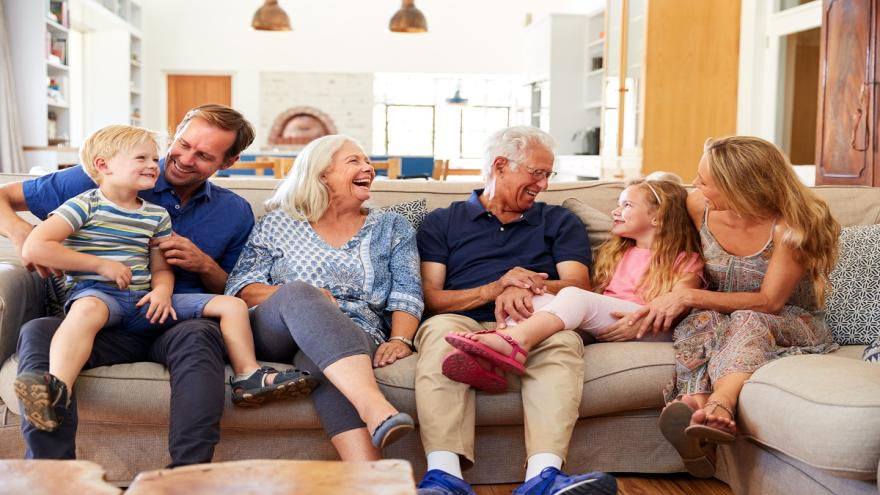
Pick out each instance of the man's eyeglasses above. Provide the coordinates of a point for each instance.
(539, 174)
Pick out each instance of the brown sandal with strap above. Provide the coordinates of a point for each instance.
(709, 433)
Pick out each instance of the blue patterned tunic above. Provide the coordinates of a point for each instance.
(372, 275)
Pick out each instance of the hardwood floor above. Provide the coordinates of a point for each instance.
(673, 484)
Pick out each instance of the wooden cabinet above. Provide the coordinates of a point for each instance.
(847, 149)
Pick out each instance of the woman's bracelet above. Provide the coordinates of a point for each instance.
(403, 339)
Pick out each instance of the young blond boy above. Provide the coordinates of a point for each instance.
(101, 239)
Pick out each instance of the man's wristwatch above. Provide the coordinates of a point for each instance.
(403, 339)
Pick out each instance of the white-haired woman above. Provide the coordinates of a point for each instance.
(769, 244)
(340, 284)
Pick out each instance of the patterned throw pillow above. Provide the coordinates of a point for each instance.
(853, 303)
(415, 211)
(872, 352)
(598, 224)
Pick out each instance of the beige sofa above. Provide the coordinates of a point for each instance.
(810, 424)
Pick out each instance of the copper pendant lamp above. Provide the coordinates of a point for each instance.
(408, 19)
(271, 17)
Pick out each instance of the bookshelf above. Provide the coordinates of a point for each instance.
(76, 67)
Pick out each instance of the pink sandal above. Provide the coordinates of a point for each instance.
(462, 367)
(508, 363)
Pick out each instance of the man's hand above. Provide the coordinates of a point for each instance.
(115, 271)
(389, 352)
(515, 303)
(181, 252)
(160, 306)
(17, 239)
(523, 279)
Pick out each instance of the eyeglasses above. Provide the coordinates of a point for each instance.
(540, 174)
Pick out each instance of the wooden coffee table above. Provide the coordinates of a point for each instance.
(389, 477)
(53, 477)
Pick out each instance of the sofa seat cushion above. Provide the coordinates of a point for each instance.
(619, 377)
(823, 410)
(139, 393)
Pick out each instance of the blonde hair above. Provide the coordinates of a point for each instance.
(674, 234)
(758, 182)
(107, 142)
(222, 117)
(302, 194)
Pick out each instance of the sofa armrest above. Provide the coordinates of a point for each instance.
(22, 295)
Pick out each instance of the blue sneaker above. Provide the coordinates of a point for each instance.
(551, 481)
(437, 482)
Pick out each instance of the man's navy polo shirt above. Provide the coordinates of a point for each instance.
(478, 249)
(215, 219)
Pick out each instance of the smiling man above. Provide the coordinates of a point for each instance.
(482, 261)
(211, 225)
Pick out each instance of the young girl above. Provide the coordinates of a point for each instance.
(654, 248)
(102, 240)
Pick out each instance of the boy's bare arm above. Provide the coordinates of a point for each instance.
(44, 247)
(161, 274)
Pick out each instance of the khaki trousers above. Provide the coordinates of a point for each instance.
(551, 391)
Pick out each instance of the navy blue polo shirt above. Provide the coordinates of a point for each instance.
(478, 249)
(215, 219)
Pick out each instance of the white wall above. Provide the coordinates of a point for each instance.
(329, 36)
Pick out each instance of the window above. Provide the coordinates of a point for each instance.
(411, 116)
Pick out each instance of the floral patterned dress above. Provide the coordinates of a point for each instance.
(709, 345)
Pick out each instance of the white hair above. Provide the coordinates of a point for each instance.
(512, 143)
(302, 194)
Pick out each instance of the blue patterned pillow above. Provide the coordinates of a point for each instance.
(415, 211)
(872, 352)
(853, 303)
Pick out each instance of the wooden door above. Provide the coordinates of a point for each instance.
(845, 153)
(186, 92)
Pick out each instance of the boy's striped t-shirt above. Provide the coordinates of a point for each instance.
(104, 229)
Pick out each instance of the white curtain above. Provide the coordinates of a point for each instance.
(11, 155)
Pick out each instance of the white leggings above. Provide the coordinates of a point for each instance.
(588, 311)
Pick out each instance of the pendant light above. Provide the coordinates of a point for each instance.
(457, 99)
(271, 17)
(408, 19)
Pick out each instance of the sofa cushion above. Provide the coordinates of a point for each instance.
(823, 410)
(853, 305)
(415, 211)
(872, 352)
(598, 224)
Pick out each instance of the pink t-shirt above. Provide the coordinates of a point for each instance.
(629, 272)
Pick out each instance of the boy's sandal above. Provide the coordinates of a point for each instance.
(674, 420)
(465, 368)
(708, 433)
(254, 391)
(392, 429)
(42, 395)
(473, 347)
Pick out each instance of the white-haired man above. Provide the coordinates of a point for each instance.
(482, 261)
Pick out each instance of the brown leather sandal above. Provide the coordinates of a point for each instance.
(674, 419)
(710, 434)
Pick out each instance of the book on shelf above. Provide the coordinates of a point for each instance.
(58, 12)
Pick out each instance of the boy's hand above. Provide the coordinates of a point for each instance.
(160, 306)
(115, 271)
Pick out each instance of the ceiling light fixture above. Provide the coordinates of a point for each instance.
(408, 19)
(271, 17)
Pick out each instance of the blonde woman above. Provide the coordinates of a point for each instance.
(653, 249)
(336, 286)
(769, 245)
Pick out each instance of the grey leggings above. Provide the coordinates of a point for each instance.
(297, 317)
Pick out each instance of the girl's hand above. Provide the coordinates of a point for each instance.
(116, 272)
(389, 352)
(660, 314)
(620, 331)
(160, 306)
